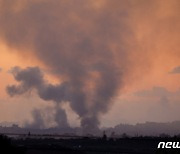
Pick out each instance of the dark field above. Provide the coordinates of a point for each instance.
(86, 145)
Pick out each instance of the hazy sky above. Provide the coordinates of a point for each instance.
(119, 60)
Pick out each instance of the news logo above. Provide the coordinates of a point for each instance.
(168, 145)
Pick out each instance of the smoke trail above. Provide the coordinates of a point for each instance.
(38, 121)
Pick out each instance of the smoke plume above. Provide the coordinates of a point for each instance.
(32, 78)
(81, 42)
(72, 44)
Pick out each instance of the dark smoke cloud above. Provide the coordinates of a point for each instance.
(176, 70)
(74, 39)
(32, 78)
(61, 118)
(38, 120)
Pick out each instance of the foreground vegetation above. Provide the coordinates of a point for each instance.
(87, 145)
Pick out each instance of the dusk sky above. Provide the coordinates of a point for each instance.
(89, 62)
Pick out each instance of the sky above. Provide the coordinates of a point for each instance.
(90, 63)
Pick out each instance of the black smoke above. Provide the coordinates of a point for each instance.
(79, 43)
(33, 78)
